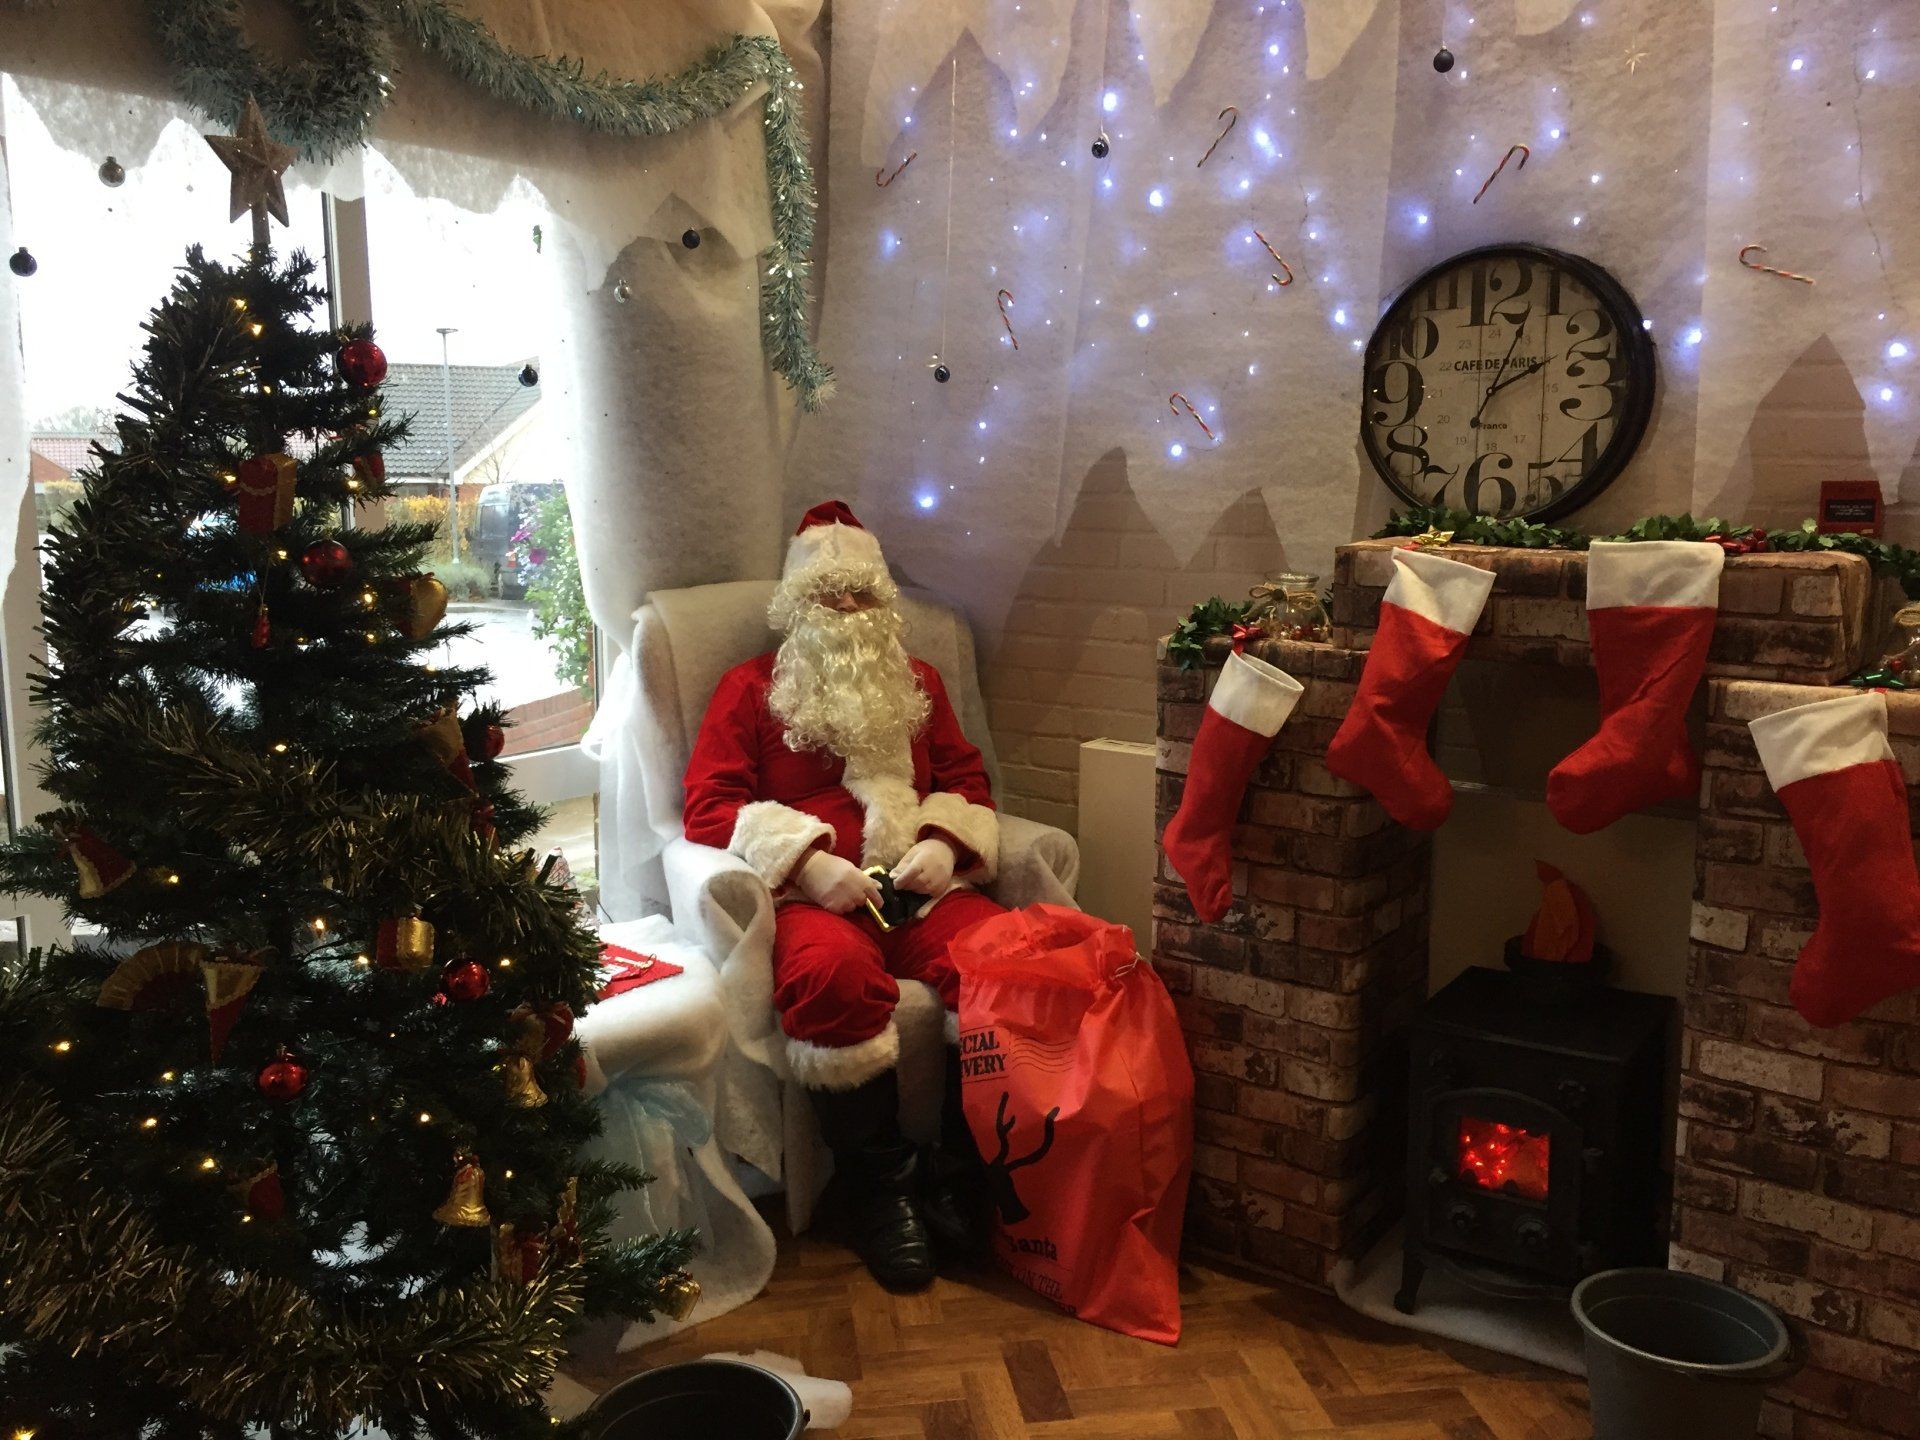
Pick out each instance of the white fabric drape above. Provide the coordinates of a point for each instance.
(1664, 135)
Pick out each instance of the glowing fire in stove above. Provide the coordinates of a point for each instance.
(1502, 1157)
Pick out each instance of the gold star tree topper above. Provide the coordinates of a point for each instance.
(256, 160)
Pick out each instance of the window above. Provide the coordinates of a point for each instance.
(486, 427)
(469, 313)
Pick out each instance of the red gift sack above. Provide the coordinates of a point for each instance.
(1080, 1097)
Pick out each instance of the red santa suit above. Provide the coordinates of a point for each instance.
(749, 791)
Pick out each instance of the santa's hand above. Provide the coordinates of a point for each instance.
(835, 884)
(926, 869)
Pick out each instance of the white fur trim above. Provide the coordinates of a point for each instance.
(843, 1067)
(1825, 736)
(832, 547)
(1450, 593)
(773, 838)
(975, 826)
(1254, 695)
(1678, 573)
(953, 1027)
(885, 791)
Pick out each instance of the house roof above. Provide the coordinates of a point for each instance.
(57, 455)
(487, 400)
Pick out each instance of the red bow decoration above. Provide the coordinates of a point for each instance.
(1752, 543)
(1245, 631)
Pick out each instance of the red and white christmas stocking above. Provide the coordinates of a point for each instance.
(1650, 612)
(1249, 705)
(1832, 768)
(1430, 608)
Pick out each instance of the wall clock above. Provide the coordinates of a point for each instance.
(1513, 381)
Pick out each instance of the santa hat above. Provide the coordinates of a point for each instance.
(833, 550)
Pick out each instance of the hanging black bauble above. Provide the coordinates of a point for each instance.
(1443, 59)
(22, 263)
(942, 374)
(1100, 147)
(691, 239)
(112, 173)
(529, 376)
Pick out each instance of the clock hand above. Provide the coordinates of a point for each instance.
(1514, 378)
(1517, 329)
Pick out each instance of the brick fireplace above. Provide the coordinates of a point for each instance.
(1797, 1165)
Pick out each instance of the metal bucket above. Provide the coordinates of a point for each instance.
(1670, 1354)
(699, 1400)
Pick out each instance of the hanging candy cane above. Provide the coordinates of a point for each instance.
(890, 178)
(1176, 401)
(1002, 301)
(1276, 258)
(1232, 116)
(1512, 150)
(1770, 269)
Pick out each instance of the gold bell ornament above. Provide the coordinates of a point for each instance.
(523, 1090)
(466, 1203)
(679, 1293)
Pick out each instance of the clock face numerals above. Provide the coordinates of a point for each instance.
(1509, 383)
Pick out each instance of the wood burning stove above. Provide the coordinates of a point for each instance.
(1535, 1126)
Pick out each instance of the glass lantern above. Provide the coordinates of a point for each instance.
(1288, 607)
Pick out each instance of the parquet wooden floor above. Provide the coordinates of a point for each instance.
(982, 1359)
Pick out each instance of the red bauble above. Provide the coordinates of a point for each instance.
(466, 980)
(494, 741)
(282, 1078)
(363, 363)
(326, 563)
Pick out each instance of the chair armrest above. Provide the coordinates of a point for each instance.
(699, 876)
(1037, 863)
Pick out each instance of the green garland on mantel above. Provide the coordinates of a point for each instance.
(1215, 617)
(328, 101)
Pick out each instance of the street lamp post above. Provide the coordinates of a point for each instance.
(453, 489)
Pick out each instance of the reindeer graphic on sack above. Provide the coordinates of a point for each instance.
(1078, 1090)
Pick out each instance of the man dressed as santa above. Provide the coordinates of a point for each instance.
(833, 754)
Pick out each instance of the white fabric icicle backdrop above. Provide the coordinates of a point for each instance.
(1664, 134)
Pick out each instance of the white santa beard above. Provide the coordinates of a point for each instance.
(842, 683)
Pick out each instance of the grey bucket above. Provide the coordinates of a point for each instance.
(699, 1400)
(1675, 1355)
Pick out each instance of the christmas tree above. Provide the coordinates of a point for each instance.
(288, 1137)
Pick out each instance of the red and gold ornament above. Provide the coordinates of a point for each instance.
(262, 1193)
(418, 603)
(266, 492)
(370, 466)
(466, 980)
(518, 1255)
(282, 1078)
(326, 564)
(403, 942)
(102, 869)
(540, 1031)
(262, 627)
(363, 363)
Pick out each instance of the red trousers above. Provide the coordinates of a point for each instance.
(836, 977)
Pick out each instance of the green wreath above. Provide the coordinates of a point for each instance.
(327, 99)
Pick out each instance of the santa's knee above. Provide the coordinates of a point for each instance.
(838, 1020)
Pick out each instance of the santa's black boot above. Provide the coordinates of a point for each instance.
(877, 1170)
(954, 1198)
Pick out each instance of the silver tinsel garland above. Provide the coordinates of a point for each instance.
(328, 102)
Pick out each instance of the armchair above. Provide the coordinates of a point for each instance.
(683, 642)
